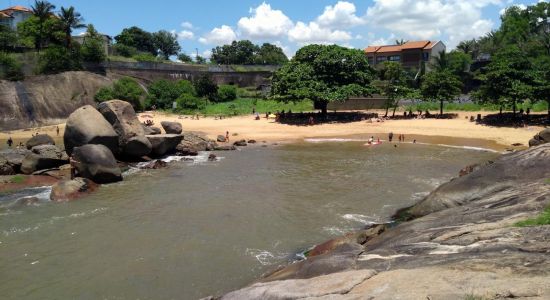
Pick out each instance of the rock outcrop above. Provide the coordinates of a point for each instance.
(11, 160)
(164, 143)
(97, 163)
(240, 143)
(540, 138)
(131, 136)
(193, 143)
(460, 242)
(39, 139)
(87, 126)
(43, 157)
(171, 127)
(69, 190)
(151, 130)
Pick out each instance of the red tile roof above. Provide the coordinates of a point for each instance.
(18, 8)
(398, 48)
(4, 15)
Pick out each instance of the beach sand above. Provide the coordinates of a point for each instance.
(434, 130)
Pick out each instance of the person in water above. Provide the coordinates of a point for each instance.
(9, 142)
(227, 136)
(371, 140)
(390, 136)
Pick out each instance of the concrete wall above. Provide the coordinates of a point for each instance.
(359, 103)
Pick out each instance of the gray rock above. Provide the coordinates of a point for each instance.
(192, 143)
(68, 190)
(151, 130)
(171, 127)
(221, 138)
(164, 143)
(43, 157)
(87, 126)
(40, 139)
(240, 143)
(540, 138)
(131, 135)
(11, 160)
(225, 148)
(97, 163)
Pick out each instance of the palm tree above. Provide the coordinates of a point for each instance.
(41, 10)
(70, 20)
(400, 42)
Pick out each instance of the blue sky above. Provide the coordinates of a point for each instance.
(291, 24)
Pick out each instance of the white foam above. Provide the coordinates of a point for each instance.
(367, 220)
(265, 257)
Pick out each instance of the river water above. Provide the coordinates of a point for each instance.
(198, 229)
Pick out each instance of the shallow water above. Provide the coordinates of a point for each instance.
(193, 230)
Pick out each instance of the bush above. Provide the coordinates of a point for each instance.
(190, 102)
(57, 59)
(93, 50)
(205, 87)
(186, 87)
(124, 50)
(146, 57)
(126, 89)
(10, 68)
(226, 93)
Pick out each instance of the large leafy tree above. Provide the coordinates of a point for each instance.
(70, 19)
(93, 46)
(42, 10)
(394, 84)
(166, 43)
(246, 53)
(8, 38)
(138, 39)
(542, 81)
(324, 74)
(440, 86)
(269, 54)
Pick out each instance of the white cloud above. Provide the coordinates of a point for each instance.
(341, 15)
(390, 40)
(219, 35)
(265, 23)
(184, 35)
(432, 19)
(206, 54)
(187, 25)
(312, 33)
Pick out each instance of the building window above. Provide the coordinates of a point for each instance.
(380, 58)
(426, 56)
(394, 58)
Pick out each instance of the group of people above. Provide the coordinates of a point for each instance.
(401, 137)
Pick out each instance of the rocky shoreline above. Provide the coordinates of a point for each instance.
(460, 242)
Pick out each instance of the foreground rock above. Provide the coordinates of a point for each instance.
(68, 190)
(43, 157)
(460, 242)
(151, 130)
(540, 138)
(164, 143)
(131, 136)
(221, 139)
(225, 148)
(87, 126)
(97, 163)
(39, 139)
(193, 143)
(240, 143)
(171, 127)
(11, 160)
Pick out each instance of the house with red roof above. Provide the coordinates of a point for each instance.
(12, 16)
(411, 54)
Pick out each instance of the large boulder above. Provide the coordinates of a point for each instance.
(221, 139)
(192, 143)
(540, 138)
(87, 126)
(151, 130)
(68, 190)
(11, 160)
(171, 127)
(131, 135)
(96, 162)
(39, 139)
(164, 143)
(43, 157)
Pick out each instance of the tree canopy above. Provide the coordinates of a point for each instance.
(246, 53)
(138, 39)
(166, 43)
(440, 86)
(324, 74)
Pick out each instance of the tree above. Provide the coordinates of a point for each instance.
(138, 39)
(226, 93)
(185, 58)
(70, 19)
(166, 43)
(93, 49)
(56, 59)
(10, 68)
(440, 86)
(200, 60)
(394, 84)
(324, 74)
(441, 61)
(29, 34)
(163, 93)
(42, 10)
(400, 42)
(246, 53)
(126, 89)
(8, 38)
(206, 87)
(541, 89)
(269, 54)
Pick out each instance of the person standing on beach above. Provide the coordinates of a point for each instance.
(227, 136)
(9, 142)
(390, 136)
(57, 130)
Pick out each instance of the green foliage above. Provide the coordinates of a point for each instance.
(138, 39)
(10, 67)
(539, 106)
(17, 179)
(393, 84)
(146, 57)
(57, 59)
(166, 43)
(324, 74)
(104, 94)
(93, 49)
(440, 86)
(124, 50)
(200, 60)
(542, 219)
(244, 106)
(126, 89)
(34, 33)
(246, 53)
(42, 13)
(226, 93)
(163, 93)
(185, 58)
(8, 38)
(188, 102)
(205, 87)
(69, 19)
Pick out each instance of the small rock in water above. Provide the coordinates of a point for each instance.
(68, 190)
(212, 157)
(240, 143)
(156, 164)
(252, 141)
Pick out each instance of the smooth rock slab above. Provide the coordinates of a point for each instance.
(96, 162)
(164, 143)
(40, 139)
(87, 126)
(43, 157)
(171, 127)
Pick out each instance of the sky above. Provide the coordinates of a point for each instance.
(290, 24)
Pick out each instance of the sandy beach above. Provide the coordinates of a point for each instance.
(456, 131)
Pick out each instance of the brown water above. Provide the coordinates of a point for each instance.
(193, 230)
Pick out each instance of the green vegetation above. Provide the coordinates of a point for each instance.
(245, 106)
(542, 219)
(324, 74)
(205, 87)
(126, 89)
(166, 43)
(57, 59)
(17, 179)
(10, 67)
(440, 86)
(92, 47)
(226, 93)
(246, 53)
(394, 84)
(539, 106)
